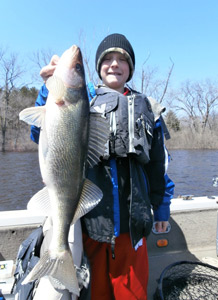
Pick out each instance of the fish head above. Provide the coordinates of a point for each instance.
(70, 68)
(68, 84)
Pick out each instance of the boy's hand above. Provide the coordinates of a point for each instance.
(161, 226)
(48, 70)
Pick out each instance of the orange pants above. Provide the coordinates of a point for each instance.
(124, 277)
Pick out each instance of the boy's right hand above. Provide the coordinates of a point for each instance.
(48, 70)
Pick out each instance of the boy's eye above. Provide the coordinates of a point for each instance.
(120, 58)
(107, 58)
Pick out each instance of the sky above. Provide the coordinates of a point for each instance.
(160, 31)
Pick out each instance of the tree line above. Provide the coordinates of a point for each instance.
(191, 109)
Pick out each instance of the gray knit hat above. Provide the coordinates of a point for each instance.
(115, 43)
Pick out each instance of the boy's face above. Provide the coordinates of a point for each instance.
(115, 71)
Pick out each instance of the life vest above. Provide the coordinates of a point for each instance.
(130, 123)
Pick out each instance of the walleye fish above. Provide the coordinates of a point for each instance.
(63, 144)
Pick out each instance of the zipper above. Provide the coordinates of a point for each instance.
(113, 130)
(131, 123)
(113, 246)
(113, 127)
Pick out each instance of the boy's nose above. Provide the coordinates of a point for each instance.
(114, 62)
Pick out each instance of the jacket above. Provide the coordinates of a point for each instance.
(132, 176)
(131, 173)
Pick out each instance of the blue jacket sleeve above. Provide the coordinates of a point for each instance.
(91, 91)
(40, 101)
(161, 186)
(162, 213)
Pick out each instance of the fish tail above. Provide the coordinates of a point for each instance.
(59, 269)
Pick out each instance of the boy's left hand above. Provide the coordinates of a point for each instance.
(48, 70)
(161, 226)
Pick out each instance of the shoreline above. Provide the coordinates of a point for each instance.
(168, 148)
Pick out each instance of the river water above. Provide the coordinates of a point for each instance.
(20, 179)
(191, 170)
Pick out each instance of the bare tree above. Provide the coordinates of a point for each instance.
(197, 100)
(40, 58)
(207, 100)
(20, 99)
(91, 73)
(1, 53)
(10, 72)
(186, 102)
(143, 76)
(167, 81)
(151, 85)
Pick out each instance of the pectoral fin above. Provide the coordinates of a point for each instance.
(56, 87)
(33, 115)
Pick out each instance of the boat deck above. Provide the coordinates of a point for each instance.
(193, 236)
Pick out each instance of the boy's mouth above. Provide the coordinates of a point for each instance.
(114, 73)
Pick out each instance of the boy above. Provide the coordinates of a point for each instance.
(131, 174)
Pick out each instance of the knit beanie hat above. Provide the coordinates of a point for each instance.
(115, 43)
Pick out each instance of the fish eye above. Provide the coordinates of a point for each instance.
(78, 67)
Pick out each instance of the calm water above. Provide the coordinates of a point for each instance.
(20, 179)
(191, 170)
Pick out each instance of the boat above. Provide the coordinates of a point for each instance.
(191, 236)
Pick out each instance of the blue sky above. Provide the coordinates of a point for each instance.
(184, 30)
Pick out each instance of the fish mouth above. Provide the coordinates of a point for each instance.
(73, 74)
(76, 56)
(68, 80)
